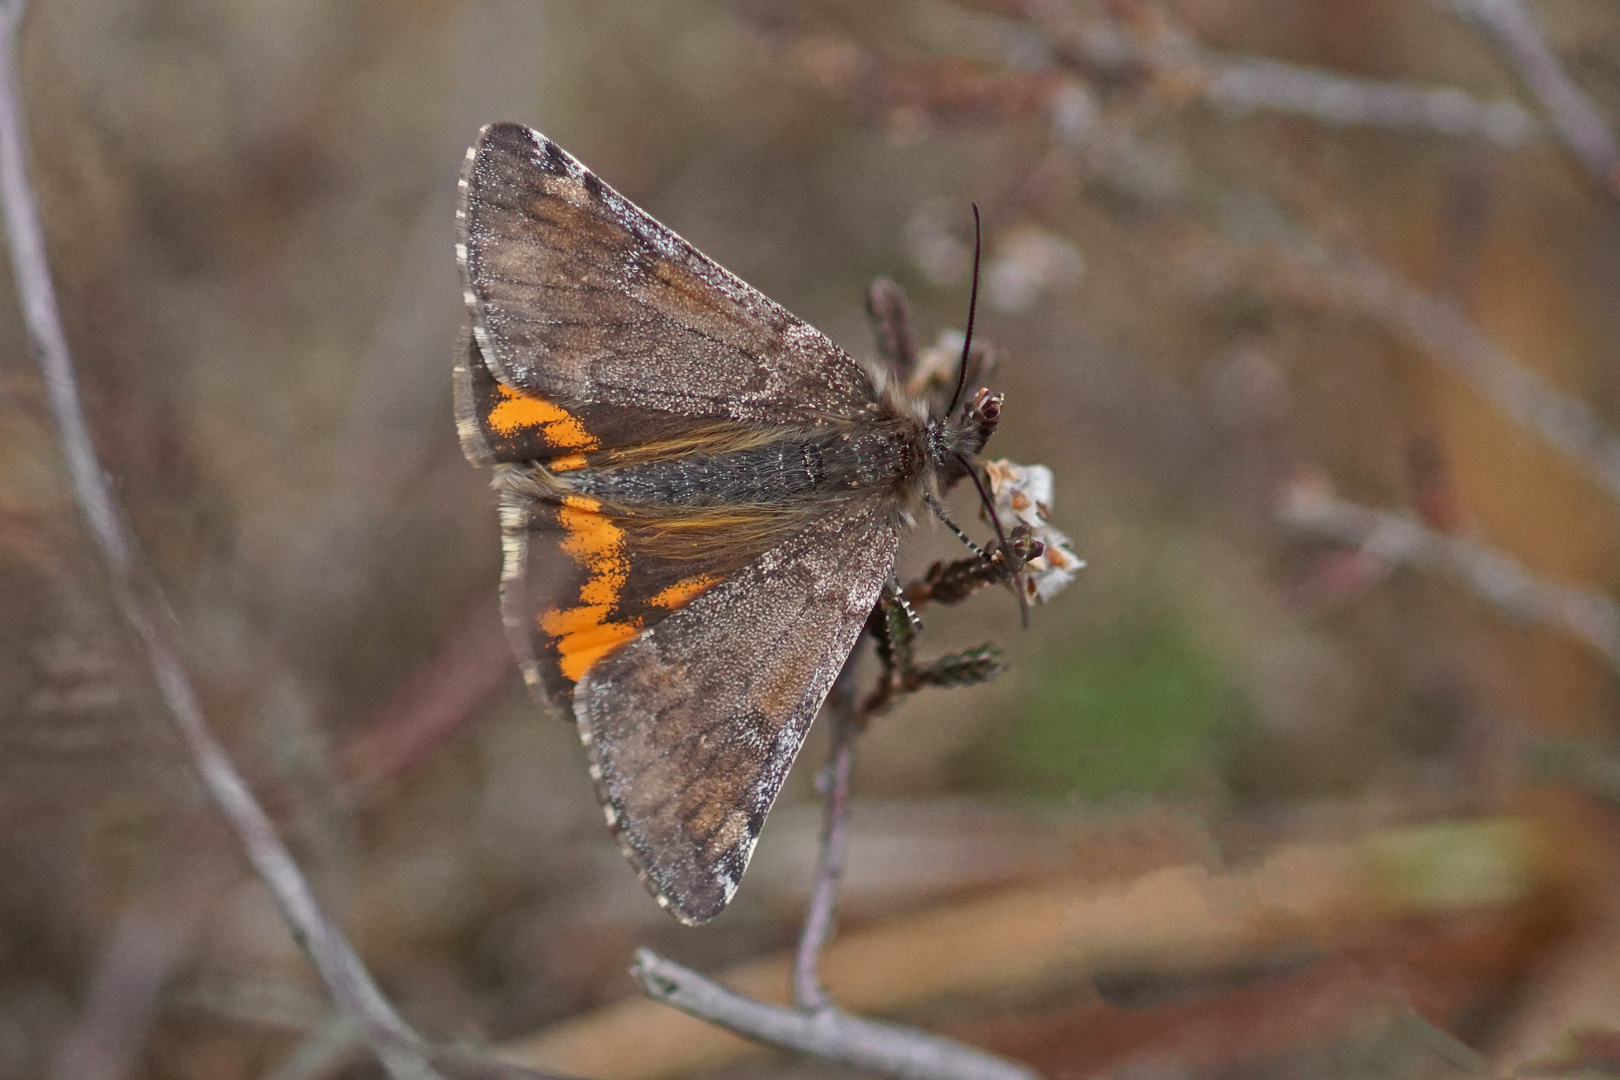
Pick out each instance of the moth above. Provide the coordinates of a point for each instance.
(701, 498)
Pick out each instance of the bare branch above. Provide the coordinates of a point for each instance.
(1514, 31)
(1439, 329)
(819, 914)
(1250, 84)
(1152, 47)
(1493, 576)
(827, 1033)
(148, 613)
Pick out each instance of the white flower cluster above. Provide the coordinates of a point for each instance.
(1023, 493)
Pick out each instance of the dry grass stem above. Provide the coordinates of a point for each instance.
(821, 911)
(1152, 47)
(1246, 85)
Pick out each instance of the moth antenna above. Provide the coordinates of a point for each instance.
(973, 309)
(1001, 536)
(939, 512)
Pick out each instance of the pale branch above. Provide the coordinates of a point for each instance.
(820, 913)
(146, 609)
(1517, 36)
(1442, 331)
(1111, 49)
(1491, 575)
(1250, 84)
(827, 1033)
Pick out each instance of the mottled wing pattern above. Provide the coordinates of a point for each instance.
(691, 726)
(591, 309)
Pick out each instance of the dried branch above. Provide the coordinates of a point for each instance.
(1150, 49)
(1166, 62)
(1245, 85)
(1439, 329)
(1494, 577)
(827, 1033)
(819, 914)
(147, 610)
(1514, 31)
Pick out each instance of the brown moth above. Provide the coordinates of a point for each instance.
(701, 497)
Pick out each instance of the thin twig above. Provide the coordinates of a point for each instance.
(1496, 578)
(827, 1033)
(821, 910)
(1111, 48)
(148, 613)
(1513, 29)
(1440, 330)
(1249, 84)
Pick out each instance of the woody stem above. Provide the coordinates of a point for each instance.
(808, 993)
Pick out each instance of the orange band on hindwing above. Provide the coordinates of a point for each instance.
(583, 633)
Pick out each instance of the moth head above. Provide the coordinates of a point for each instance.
(964, 433)
(956, 437)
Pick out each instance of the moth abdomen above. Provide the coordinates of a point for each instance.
(797, 470)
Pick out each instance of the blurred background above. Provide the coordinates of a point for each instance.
(1308, 305)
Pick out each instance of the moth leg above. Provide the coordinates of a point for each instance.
(953, 582)
(894, 625)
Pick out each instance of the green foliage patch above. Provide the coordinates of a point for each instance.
(1135, 711)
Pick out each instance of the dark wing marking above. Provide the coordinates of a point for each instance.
(692, 724)
(584, 302)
